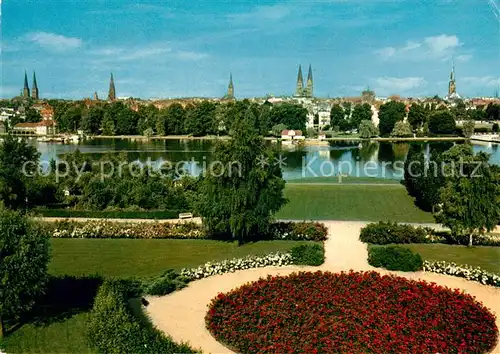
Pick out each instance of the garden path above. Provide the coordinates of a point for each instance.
(181, 314)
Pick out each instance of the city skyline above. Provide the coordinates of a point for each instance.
(389, 46)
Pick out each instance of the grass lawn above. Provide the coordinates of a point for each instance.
(66, 336)
(142, 258)
(350, 202)
(488, 258)
(346, 180)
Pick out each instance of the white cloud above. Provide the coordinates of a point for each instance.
(400, 84)
(54, 41)
(136, 53)
(189, 55)
(481, 81)
(259, 13)
(441, 47)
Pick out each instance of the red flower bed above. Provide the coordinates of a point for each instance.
(356, 312)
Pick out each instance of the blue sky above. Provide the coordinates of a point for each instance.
(187, 48)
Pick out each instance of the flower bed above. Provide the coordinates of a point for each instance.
(462, 271)
(109, 229)
(356, 312)
(299, 231)
(213, 268)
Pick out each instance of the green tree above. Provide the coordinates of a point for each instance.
(495, 128)
(292, 115)
(390, 113)
(200, 118)
(147, 117)
(92, 120)
(265, 118)
(32, 115)
(361, 112)
(468, 128)
(126, 121)
(24, 257)
(442, 122)
(417, 116)
(18, 160)
(108, 124)
(71, 119)
(240, 196)
(471, 199)
(277, 129)
(402, 129)
(367, 129)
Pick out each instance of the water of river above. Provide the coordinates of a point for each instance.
(369, 159)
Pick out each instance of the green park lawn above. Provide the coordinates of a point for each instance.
(351, 202)
(346, 180)
(488, 258)
(119, 258)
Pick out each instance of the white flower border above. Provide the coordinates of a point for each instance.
(463, 271)
(208, 269)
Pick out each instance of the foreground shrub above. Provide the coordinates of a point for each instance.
(395, 258)
(168, 282)
(313, 255)
(112, 328)
(383, 233)
(463, 271)
(356, 312)
(299, 231)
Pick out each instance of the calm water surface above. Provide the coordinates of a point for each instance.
(369, 159)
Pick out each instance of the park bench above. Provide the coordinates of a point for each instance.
(185, 216)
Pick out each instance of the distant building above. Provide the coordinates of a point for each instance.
(112, 90)
(230, 88)
(34, 91)
(45, 127)
(308, 90)
(96, 98)
(452, 86)
(26, 89)
(292, 135)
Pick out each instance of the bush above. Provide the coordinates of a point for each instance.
(395, 258)
(495, 128)
(442, 122)
(112, 328)
(313, 255)
(298, 231)
(167, 283)
(109, 214)
(383, 233)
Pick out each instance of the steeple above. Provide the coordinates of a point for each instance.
(26, 89)
(300, 83)
(112, 91)
(309, 85)
(230, 88)
(34, 89)
(452, 86)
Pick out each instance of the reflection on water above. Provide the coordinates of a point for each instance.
(369, 159)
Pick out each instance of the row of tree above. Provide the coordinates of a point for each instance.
(198, 119)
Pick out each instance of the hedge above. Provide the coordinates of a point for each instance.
(312, 255)
(112, 327)
(110, 214)
(384, 233)
(395, 258)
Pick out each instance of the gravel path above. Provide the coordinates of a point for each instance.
(181, 314)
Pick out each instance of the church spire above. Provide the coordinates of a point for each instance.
(112, 91)
(26, 89)
(309, 85)
(300, 83)
(230, 87)
(34, 89)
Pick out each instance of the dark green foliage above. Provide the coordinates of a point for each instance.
(291, 115)
(110, 214)
(417, 115)
(313, 255)
(442, 122)
(92, 120)
(168, 282)
(495, 128)
(200, 118)
(298, 231)
(239, 196)
(493, 112)
(112, 327)
(24, 257)
(390, 113)
(383, 233)
(339, 118)
(32, 115)
(360, 113)
(394, 258)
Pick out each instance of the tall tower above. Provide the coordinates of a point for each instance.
(299, 91)
(112, 90)
(309, 84)
(26, 89)
(230, 87)
(34, 88)
(452, 86)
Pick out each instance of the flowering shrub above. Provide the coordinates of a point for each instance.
(109, 229)
(299, 231)
(463, 271)
(213, 268)
(383, 233)
(356, 312)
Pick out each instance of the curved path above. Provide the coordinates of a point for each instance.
(181, 314)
